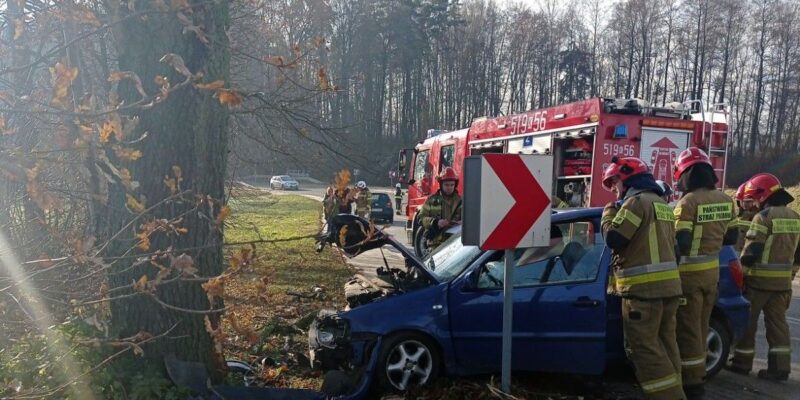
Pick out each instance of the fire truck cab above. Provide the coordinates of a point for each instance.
(582, 137)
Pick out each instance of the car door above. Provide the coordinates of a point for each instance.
(559, 306)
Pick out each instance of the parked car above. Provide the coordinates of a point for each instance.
(283, 182)
(443, 314)
(381, 209)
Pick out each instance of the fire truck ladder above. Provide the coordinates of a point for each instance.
(719, 149)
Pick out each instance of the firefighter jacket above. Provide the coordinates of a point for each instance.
(363, 201)
(707, 215)
(439, 206)
(646, 267)
(743, 224)
(769, 249)
(398, 194)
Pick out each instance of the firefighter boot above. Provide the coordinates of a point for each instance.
(773, 375)
(694, 392)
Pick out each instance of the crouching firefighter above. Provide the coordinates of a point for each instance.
(442, 210)
(639, 229)
(704, 222)
(770, 258)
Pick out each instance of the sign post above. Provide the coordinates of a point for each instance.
(506, 207)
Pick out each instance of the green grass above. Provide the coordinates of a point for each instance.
(291, 266)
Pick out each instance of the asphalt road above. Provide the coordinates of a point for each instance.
(724, 386)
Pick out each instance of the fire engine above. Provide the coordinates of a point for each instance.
(582, 137)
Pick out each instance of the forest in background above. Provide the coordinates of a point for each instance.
(395, 68)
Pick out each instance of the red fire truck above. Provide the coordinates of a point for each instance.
(581, 136)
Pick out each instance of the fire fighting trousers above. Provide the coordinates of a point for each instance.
(693, 318)
(774, 305)
(649, 327)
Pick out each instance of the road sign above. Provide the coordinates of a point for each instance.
(507, 200)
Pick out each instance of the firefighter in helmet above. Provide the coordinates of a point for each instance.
(667, 189)
(441, 210)
(363, 199)
(747, 210)
(771, 256)
(639, 229)
(704, 222)
(398, 197)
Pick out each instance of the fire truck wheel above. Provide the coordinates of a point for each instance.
(420, 245)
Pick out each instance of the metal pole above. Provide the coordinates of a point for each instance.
(508, 308)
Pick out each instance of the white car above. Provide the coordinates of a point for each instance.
(283, 182)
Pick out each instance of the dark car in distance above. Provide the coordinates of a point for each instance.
(381, 208)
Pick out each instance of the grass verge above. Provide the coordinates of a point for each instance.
(267, 322)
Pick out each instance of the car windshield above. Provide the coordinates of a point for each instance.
(450, 258)
(287, 178)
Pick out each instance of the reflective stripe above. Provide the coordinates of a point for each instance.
(689, 362)
(659, 384)
(743, 223)
(745, 351)
(702, 266)
(767, 250)
(644, 269)
(628, 215)
(649, 278)
(698, 237)
(652, 239)
(770, 271)
(757, 228)
(699, 259)
(785, 225)
(780, 350)
(683, 225)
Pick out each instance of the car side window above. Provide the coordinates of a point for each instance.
(572, 256)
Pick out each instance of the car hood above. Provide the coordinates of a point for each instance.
(355, 235)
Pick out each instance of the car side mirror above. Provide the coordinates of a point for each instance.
(471, 280)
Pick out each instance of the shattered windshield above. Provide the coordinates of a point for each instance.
(450, 258)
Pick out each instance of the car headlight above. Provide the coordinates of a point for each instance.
(326, 338)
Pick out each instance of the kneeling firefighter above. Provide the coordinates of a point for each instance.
(639, 229)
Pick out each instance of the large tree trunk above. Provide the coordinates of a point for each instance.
(187, 130)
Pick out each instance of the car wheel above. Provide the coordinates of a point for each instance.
(421, 244)
(407, 360)
(718, 343)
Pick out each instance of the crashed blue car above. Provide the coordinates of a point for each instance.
(442, 315)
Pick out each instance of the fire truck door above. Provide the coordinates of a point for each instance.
(659, 149)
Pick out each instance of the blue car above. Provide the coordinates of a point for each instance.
(443, 315)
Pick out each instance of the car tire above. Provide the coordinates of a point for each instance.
(420, 243)
(407, 360)
(718, 343)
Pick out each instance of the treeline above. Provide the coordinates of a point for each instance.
(399, 67)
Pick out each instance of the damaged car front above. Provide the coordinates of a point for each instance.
(396, 318)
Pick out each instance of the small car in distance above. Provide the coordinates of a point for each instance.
(283, 182)
(381, 208)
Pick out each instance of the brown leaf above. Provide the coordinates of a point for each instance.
(19, 28)
(184, 264)
(277, 61)
(224, 212)
(218, 84)
(62, 80)
(134, 204)
(214, 287)
(118, 76)
(127, 154)
(228, 97)
(324, 84)
(246, 331)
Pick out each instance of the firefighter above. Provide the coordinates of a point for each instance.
(398, 197)
(639, 229)
(329, 203)
(441, 210)
(558, 203)
(667, 196)
(704, 222)
(363, 199)
(771, 255)
(747, 210)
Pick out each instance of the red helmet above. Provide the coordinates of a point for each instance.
(448, 174)
(761, 186)
(688, 158)
(623, 168)
(740, 192)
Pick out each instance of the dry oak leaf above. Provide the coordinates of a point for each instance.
(134, 204)
(218, 84)
(224, 212)
(176, 62)
(118, 76)
(228, 97)
(62, 80)
(127, 154)
(184, 264)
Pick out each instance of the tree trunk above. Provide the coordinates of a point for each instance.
(187, 130)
